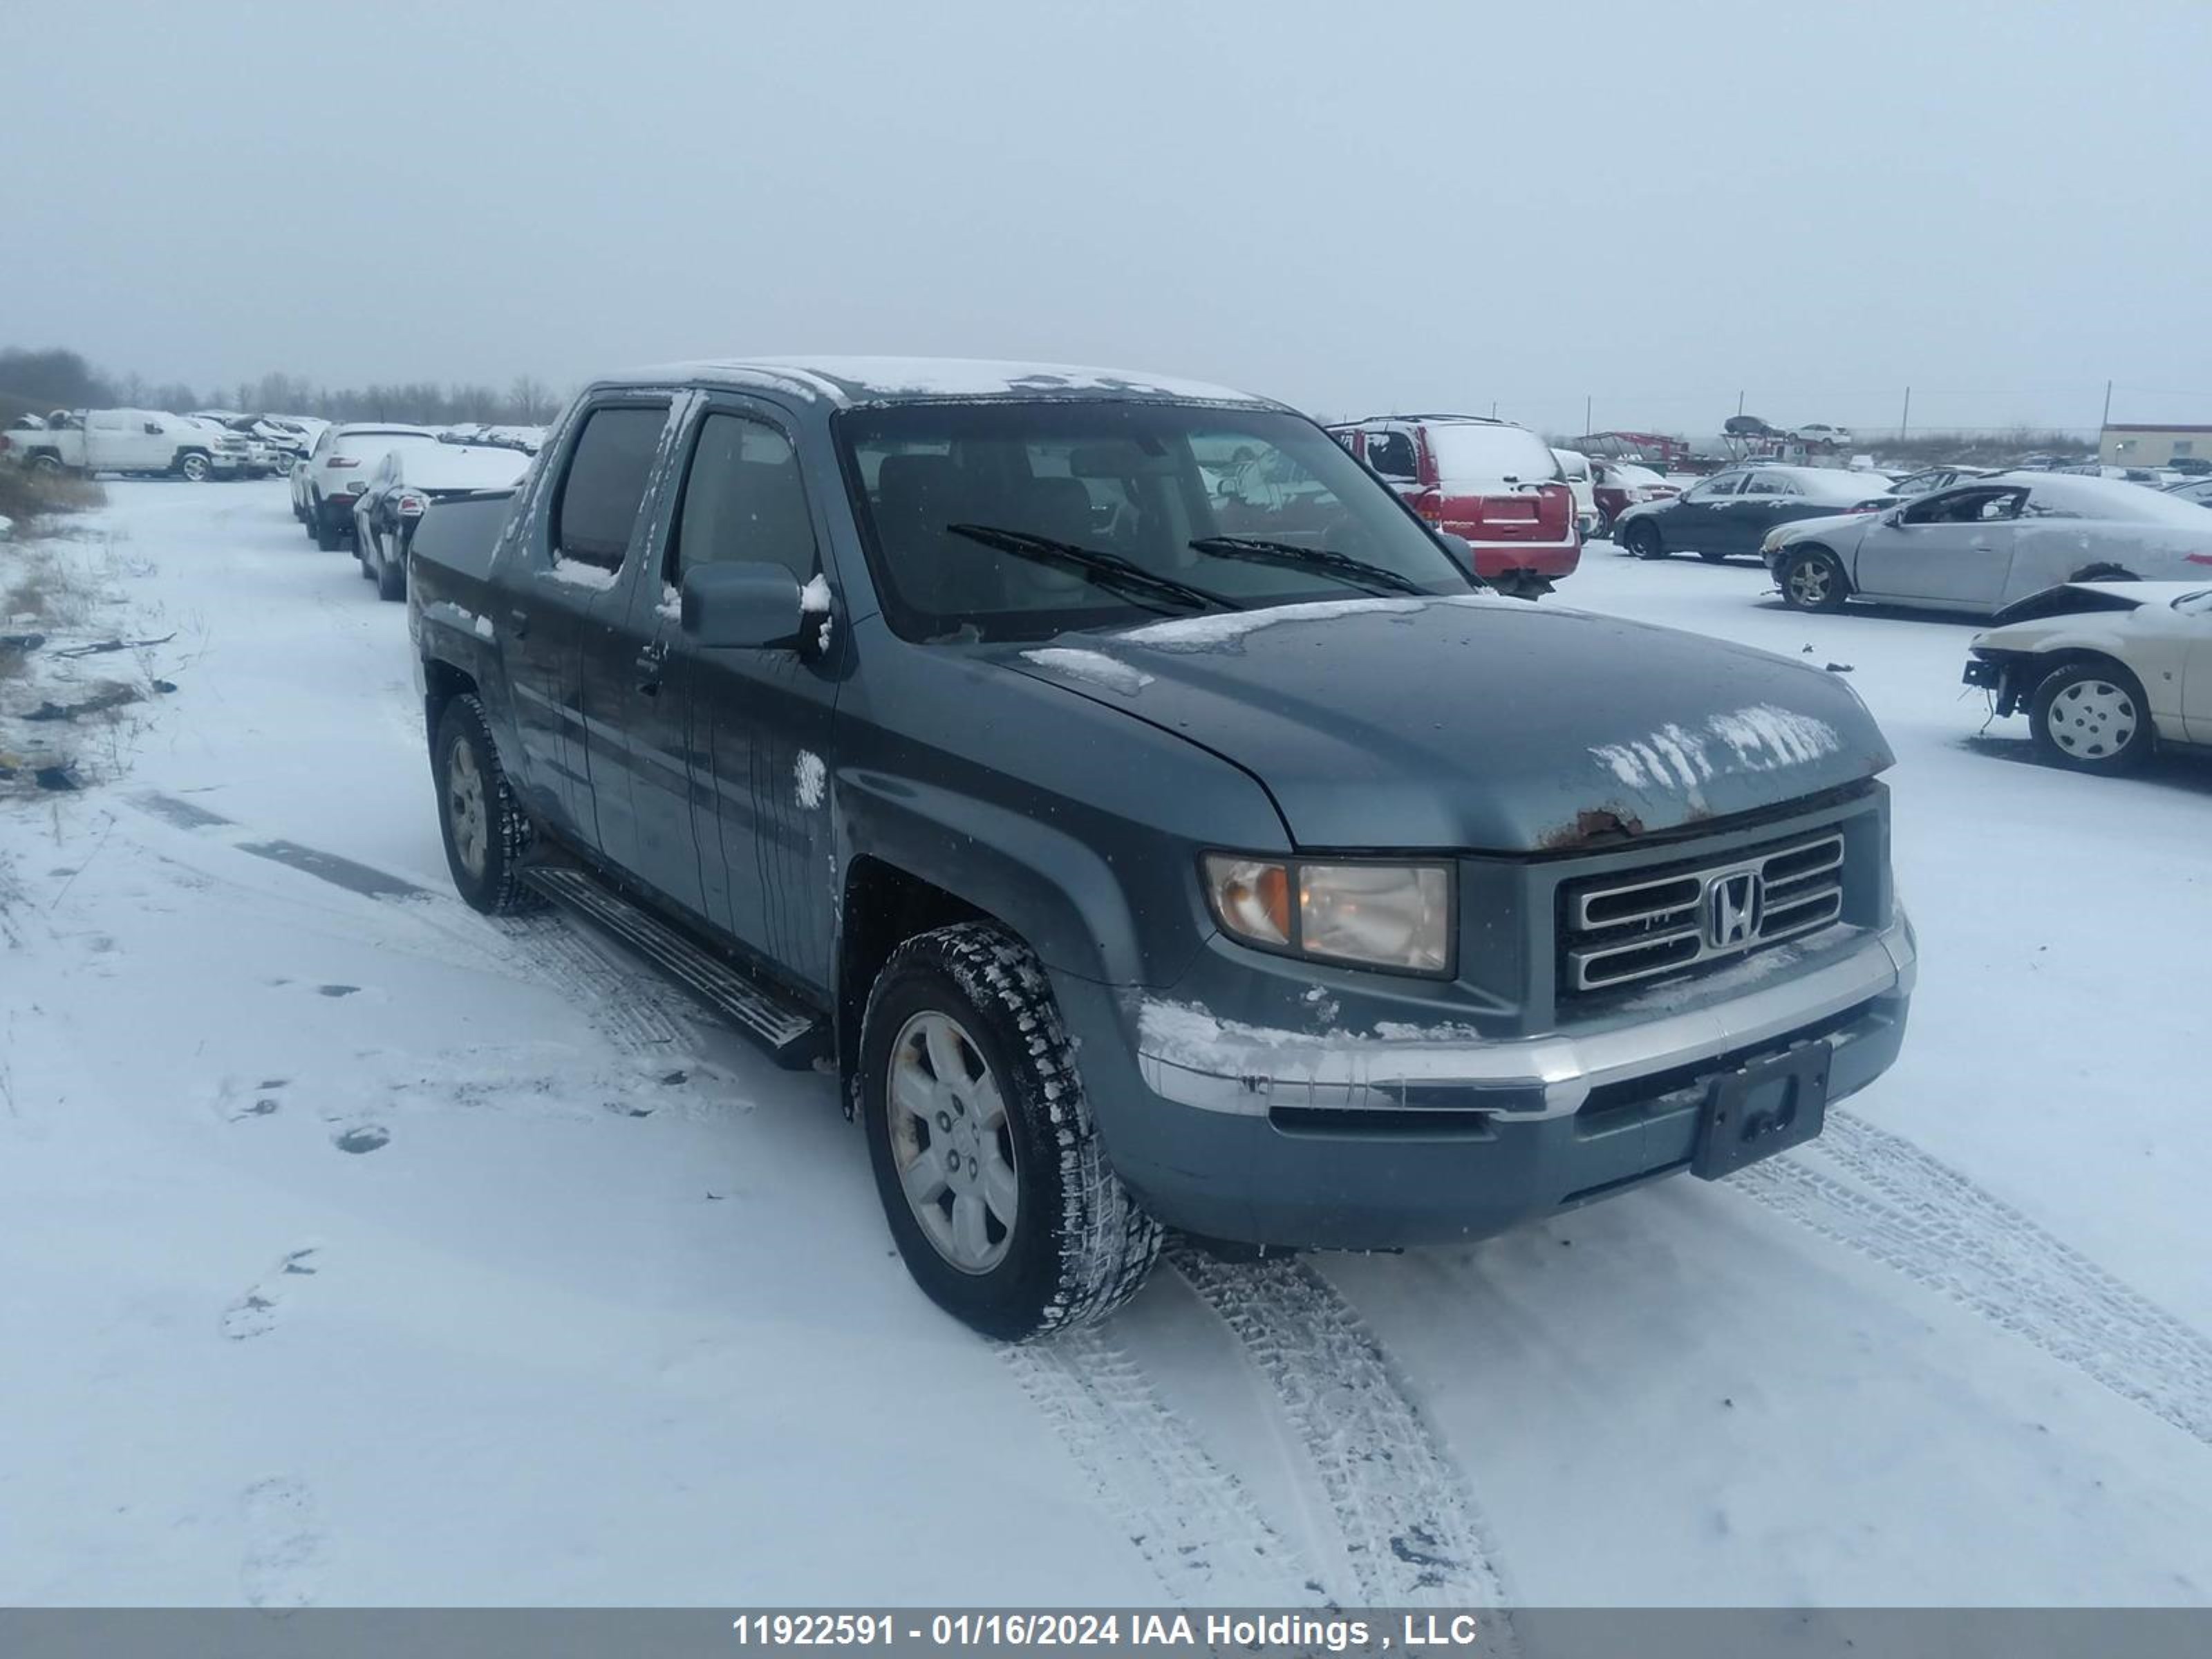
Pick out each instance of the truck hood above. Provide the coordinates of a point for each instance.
(1478, 723)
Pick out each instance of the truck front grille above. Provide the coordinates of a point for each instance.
(1622, 928)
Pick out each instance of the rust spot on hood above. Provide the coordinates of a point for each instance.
(1593, 826)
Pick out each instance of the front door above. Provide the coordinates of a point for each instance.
(1698, 519)
(1953, 548)
(755, 724)
(2196, 671)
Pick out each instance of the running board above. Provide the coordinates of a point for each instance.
(794, 1035)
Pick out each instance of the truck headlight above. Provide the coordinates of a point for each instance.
(1377, 915)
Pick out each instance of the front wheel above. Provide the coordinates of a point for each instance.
(1642, 540)
(485, 828)
(2090, 717)
(1712, 557)
(1812, 580)
(193, 468)
(986, 1156)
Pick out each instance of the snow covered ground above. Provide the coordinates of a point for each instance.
(357, 1250)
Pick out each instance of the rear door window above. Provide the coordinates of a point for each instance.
(743, 501)
(1391, 454)
(1769, 484)
(604, 487)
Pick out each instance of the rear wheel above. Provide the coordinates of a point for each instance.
(986, 1157)
(48, 463)
(328, 535)
(2089, 716)
(486, 831)
(2102, 572)
(1642, 538)
(1813, 580)
(390, 578)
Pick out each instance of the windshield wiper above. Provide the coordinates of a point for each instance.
(1107, 570)
(1257, 550)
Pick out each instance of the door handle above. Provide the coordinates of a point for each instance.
(518, 624)
(649, 662)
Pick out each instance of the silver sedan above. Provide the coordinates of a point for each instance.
(1977, 547)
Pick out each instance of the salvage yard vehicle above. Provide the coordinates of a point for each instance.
(2107, 671)
(1495, 485)
(931, 718)
(1582, 481)
(1932, 478)
(323, 491)
(1730, 511)
(1619, 485)
(132, 441)
(415, 474)
(1979, 547)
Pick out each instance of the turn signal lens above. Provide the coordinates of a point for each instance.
(1252, 898)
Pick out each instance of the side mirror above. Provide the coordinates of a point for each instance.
(1894, 518)
(743, 607)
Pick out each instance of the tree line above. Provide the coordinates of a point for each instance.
(35, 380)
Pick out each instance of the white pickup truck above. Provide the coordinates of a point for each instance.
(119, 440)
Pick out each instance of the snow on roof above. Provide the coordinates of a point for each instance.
(847, 381)
(2107, 498)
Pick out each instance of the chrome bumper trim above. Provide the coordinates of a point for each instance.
(1530, 1078)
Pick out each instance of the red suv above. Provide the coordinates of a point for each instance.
(1494, 484)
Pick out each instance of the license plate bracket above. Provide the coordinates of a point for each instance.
(1767, 1107)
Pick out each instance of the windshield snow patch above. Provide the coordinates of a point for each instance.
(1092, 667)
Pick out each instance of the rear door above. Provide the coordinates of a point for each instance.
(1768, 497)
(1954, 547)
(588, 535)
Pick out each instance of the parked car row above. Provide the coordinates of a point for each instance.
(367, 484)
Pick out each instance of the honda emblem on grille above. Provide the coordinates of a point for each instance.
(1733, 903)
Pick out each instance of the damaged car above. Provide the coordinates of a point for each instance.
(2107, 672)
(946, 724)
(1981, 546)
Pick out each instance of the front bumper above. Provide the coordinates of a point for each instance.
(1367, 1144)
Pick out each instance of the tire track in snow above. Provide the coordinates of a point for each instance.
(1919, 1216)
(1412, 1534)
(1193, 1520)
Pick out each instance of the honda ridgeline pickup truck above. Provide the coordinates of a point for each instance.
(1139, 868)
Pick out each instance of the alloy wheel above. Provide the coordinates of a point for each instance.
(951, 1143)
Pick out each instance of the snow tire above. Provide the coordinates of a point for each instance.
(1081, 1245)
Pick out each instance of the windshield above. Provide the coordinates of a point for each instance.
(1475, 453)
(1145, 485)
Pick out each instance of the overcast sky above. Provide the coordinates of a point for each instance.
(1355, 207)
